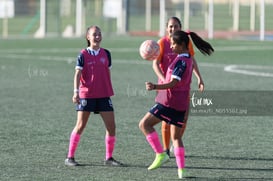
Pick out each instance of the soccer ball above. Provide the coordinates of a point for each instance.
(149, 50)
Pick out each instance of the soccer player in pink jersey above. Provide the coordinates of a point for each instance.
(92, 92)
(160, 66)
(172, 99)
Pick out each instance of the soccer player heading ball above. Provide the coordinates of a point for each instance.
(172, 99)
(160, 67)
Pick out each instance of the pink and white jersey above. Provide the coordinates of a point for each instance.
(177, 97)
(95, 80)
(166, 55)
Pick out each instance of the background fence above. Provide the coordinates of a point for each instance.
(22, 18)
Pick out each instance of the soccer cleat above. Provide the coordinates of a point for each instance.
(70, 162)
(160, 158)
(181, 172)
(112, 162)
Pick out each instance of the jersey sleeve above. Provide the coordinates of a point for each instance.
(179, 70)
(80, 62)
(191, 50)
(109, 58)
(161, 49)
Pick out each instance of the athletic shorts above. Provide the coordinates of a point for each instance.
(95, 105)
(169, 115)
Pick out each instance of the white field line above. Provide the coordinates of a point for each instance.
(241, 69)
(29, 54)
(73, 60)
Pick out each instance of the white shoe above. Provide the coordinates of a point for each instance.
(181, 172)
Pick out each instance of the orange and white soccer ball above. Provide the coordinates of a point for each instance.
(149, 50)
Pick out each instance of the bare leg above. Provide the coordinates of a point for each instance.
(109, 122)
(110, 138)
(75, 137)
(147, 123)
(166, 137)
(176, 135)
(179, 150)
(81, 121)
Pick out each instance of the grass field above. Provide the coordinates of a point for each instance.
(37, 114)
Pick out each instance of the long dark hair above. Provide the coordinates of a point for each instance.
(181, 36)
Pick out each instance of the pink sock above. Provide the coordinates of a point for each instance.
(180, 157)
(109, 144)
(74, 140)
(154, 141)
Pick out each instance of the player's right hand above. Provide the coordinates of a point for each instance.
(149, 86)
(76, 98)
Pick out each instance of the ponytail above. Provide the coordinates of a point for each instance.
(203, 46)
(181, 37)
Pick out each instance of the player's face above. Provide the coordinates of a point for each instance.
(172, 26)
(95, 37)
(175, 47)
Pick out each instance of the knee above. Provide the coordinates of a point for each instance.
(141, 125)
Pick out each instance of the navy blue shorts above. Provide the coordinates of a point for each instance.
(95, 105)
(167, 114)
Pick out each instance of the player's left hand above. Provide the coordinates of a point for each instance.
(201, 85)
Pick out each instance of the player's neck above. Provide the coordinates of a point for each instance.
(94, 47)
(184, 52)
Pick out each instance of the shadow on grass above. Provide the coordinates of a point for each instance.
(221, 179)
(173, 166)
(189, 177)
(101, 164)
(195, 157)
(234, 169)
(229, 158)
